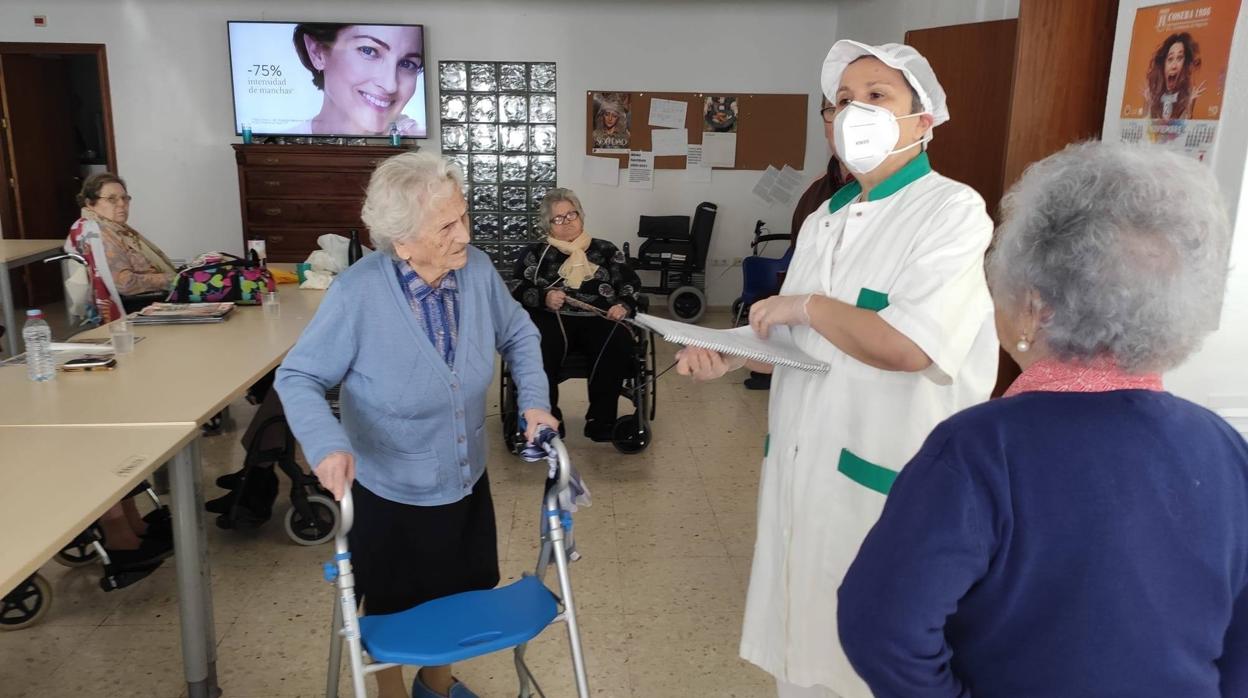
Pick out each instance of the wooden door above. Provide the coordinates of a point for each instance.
(35, 94)
(1061, 76)
(975, 65)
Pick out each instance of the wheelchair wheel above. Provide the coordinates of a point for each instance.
(511, 424)
(80, 550)
(316, 529)
(740, 315)
(687, 304)
(27, 604)
(629, 436)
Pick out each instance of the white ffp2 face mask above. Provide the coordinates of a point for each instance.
(865, 135)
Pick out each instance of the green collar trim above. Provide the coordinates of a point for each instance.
(910, 172)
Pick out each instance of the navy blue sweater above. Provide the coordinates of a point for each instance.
(1060, 545)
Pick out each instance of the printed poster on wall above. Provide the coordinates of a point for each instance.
(719, 115)
(612, 111)
(1176, 74)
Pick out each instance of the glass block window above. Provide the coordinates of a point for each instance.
(498, 124)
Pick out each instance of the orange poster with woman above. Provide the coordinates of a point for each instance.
(1176, 74)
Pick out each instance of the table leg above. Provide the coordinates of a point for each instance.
(11, 329)
(199, 646)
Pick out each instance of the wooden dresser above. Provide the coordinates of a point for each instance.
(292, 194)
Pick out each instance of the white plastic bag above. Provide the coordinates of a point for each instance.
(78, 292)
(316, 280)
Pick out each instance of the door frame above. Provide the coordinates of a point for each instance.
(8, 205)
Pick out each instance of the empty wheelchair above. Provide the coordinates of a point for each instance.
(677, 251)
(762, 276)
(462, 626)
(632, 432)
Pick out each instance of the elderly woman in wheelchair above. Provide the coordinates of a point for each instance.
(125, 271)
(578, 290)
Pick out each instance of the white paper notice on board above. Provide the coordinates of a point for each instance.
(698, 173)
(788, 185)
(640, 170)
(669, 141)
(604, 171)
(694, 157)
(766, 183)
(693, 164)
(667, 113)
(719, 149)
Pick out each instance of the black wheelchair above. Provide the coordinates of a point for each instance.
(677, 250)
(31, 599)
(631, 433)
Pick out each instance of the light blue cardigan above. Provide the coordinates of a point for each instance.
(415, 426)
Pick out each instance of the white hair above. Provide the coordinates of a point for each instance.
(400, 190)
(1126, 248)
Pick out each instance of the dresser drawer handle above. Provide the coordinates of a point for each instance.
(272, 182)
(276, 239)
(272, 211)
(272, 161)
(375, 161)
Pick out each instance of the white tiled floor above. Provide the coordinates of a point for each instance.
(660, 590)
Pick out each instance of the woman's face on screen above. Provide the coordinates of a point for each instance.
(370, 74)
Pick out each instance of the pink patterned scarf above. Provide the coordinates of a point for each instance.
(1096, 376)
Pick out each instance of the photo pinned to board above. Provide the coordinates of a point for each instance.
(612, 112)
(719, 114)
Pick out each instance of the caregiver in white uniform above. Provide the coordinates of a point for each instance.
(887, 286)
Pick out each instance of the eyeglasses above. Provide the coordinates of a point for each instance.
(114, 200)
(828, 113)
(569, 217)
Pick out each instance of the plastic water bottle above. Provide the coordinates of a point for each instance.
(396, 138)
(37, 337)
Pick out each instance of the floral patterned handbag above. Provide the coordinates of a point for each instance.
(232, 279)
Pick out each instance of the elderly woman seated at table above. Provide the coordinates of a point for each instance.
(121, 263)
(1086, 535)
(577, 290)
(410, 332)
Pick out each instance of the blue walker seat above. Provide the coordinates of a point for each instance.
(460, 627)
(463, 626)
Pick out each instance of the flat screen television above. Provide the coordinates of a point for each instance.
(328, 79)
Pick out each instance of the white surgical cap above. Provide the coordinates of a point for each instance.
(904, 58)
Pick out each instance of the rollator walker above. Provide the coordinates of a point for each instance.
(467, 625)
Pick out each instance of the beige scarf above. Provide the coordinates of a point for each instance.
(132, 239)
(577, 268)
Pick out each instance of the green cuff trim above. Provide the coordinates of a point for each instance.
(865, 473)
(872, 300)
(766, 444)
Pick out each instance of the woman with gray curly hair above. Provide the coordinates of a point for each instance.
(410, 332)
(1086, 535)
(570, 283)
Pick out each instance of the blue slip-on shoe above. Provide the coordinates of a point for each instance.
(458, 690)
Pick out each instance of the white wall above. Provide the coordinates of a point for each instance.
(169, 71)
(1216, 376)
(887, 21)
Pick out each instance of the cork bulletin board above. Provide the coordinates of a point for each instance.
(771, 128)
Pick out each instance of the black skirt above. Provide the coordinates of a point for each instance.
(405, 555)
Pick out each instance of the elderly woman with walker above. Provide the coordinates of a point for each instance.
(411, 333)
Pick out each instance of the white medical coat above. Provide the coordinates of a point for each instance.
(914, 252)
